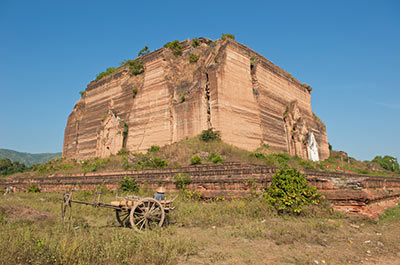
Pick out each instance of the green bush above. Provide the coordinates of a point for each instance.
(195, 42)
(361, 171)
(91, 166)
(128, 184)
(158, 162)
(306, 164)
(154, 148)
(277, 160)
(144, 51)
(135, 66)
(7, 167)
(125, 164)
(290, 193)
(284, 156)
(175, 46)
(33, 188)
(182, 180)
(227, 36)
(387, 162)
(106, 73)
(195, 160)
(209, 135)
(82, 93)
(193, 58)
(274, 160)
(258, 155)
(134, 92)
(182, 97)
(215, 158)
(266, 146)
(189, 195)
(146, 161)
(123, 152)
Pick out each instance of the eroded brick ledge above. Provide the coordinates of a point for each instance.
(350, 193)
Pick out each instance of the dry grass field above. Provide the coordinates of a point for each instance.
(244, 231)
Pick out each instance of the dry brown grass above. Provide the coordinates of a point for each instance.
(242, 231)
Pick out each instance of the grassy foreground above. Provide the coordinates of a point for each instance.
(244, 231)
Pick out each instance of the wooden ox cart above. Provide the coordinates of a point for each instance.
(130, 211)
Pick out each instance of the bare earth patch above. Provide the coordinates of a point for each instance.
(24, 212)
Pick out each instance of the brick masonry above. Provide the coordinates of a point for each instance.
(231, 89)
(350, 193)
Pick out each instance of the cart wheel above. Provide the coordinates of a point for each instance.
(147, 213)
(122, 217)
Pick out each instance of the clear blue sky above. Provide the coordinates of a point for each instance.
(348, 51)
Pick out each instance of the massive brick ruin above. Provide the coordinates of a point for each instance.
(231, 89)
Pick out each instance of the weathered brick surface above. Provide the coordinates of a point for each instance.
(351, 193)
(231, 88)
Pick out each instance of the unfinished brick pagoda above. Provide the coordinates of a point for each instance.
(231, 89)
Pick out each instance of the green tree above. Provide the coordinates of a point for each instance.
(388, 162)
(7, 167)
(144, 51)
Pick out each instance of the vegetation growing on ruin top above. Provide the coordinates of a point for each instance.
(308, 87)
(195, 42)
(135, 66)
(227, 36)
(175, 46)
(108, 71)
(144, 51)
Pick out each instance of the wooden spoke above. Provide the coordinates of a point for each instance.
(147, 213)
(122, 217)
